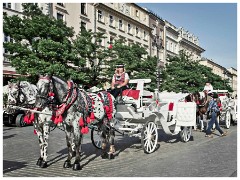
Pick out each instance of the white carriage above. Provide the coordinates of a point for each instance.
(142, 113)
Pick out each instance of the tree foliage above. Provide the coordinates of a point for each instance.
(185, 74)
(88, 47)
(40, 44)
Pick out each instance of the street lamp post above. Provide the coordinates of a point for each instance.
(158, 44)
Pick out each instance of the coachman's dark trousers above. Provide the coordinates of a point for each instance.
(118, 91)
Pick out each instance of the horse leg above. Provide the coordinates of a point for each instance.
(111, 140)
(46, 131)
(77, 141)
(201, 121)
(68, 131)
(104, 154)
(40, 140)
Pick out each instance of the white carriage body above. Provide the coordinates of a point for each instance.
(181, 114)
(174, 110)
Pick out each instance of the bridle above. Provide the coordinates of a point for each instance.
(48, 98)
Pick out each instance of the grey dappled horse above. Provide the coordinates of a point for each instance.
(74, 111)
(23, 94)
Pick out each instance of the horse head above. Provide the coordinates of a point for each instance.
(50, 87)
(21, 93)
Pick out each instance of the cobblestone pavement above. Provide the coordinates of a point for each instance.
(200, 157)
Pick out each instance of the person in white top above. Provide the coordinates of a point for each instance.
(208, 88)
(119, 81)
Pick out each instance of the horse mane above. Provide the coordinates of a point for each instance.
(59, 80)
(56, 79)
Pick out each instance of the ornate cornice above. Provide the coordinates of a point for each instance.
(191, 44)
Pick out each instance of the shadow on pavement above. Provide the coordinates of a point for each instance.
(9, 136)
(9, 166)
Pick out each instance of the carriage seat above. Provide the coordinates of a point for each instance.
(134, 94)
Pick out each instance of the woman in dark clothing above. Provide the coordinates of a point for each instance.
(119, 81)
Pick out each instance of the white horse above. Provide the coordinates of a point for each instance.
(75, 109)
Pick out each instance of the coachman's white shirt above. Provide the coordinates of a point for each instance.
(208, 88)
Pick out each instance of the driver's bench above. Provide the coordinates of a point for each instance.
(133, 100)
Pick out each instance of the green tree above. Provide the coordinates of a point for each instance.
(183, 73)
(40, 44)
(133, 58)
(88, 47)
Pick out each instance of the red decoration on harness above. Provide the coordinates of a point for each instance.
(34, 131)
(88, 120)
(58, 119)
(81, 123)
(27, 119)
(92, 116)
(53, 118)
(51, 94)
(84, 130)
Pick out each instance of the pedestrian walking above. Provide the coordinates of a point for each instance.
(213, 109)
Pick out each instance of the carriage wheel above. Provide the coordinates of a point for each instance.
(186, 133)
(149, 137)
(96, 137)
(228, 119)
(19, 120)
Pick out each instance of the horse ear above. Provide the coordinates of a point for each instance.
(9, 84)
(18, 83)
(40, 76)
(49, 75)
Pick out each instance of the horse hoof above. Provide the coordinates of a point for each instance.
(110, 156)
(104, 155)
(67, 164)
(39, 161)
(44, 164)
(76, 166)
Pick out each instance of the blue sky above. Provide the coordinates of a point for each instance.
(215, 24)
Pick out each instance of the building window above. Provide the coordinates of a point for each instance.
(137, 31)
(120, 24)
(83, 8)
(167, 45)
(60, 4)
(110, 20)
(129, 28)
(7, 39)
(83, 25)
(137, 13)
(144, 35)
(7, 5)
(59, 16)
(100, 16)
